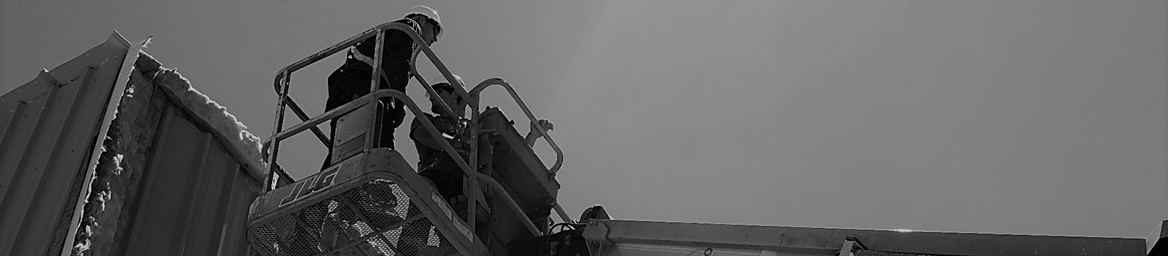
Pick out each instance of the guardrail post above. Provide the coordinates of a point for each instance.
(281, 81)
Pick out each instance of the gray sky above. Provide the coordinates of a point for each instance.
(1032, 117)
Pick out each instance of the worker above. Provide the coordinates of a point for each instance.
(434, 163)
(353, 79)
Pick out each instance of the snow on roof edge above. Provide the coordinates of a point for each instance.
(232, 133)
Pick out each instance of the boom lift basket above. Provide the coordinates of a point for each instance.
(370, 204)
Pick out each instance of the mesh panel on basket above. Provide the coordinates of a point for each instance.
(365, 220)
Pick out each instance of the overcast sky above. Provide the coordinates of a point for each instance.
(1030, 117)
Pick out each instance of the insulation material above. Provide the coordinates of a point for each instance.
(117, 176)
(128, 149)
(223, 125)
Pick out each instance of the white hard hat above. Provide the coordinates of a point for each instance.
(441, 79)
(432, 15)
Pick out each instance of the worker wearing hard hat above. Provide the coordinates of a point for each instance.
(352, 80)
(433, 162)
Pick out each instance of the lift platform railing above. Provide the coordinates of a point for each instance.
(499, 81)
(282, 83)
(531, 118)
(449, 149)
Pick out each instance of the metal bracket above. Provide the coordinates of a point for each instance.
(44, 76)
(596, 235)
(851, 244)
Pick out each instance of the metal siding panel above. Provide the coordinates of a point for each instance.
(134, 206)
(45, 124)
(12, 154)
(168, 188)
(239, 191)
(195, 197)
(6, 122)
(234, 240)
(223, 221)
(192, 198)
(30, 168)
(202, 226)
(52, 182)
(17, 195)
(147, 188)
(10, 128)
(72, 126)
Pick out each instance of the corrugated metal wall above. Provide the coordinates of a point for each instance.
(167, 179)
(47, 130)
(171, 183)
(195, 196)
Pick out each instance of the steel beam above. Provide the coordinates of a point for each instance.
(607, 233)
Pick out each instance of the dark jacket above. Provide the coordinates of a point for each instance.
(431, 156)
(433, 162)
(353, 78)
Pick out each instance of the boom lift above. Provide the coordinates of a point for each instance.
(371, 202)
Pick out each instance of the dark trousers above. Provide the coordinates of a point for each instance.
(346, 84)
